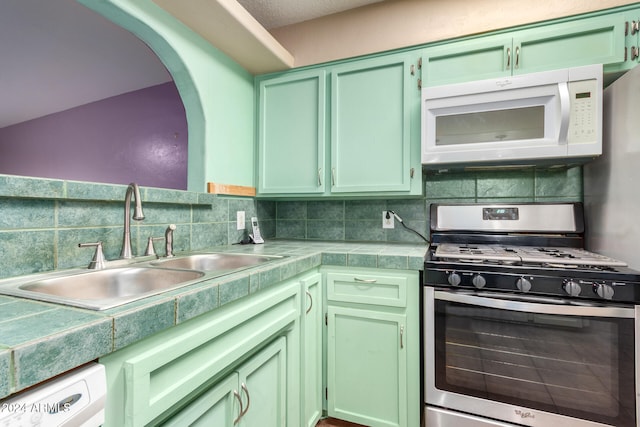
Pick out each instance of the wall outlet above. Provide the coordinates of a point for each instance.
(387, 220)
(240, 220)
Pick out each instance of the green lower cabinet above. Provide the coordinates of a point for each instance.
(219, 406)
(185, 371)
(373, 346)
(263, 381)
(258, 361)
(367, 367)
(255, 395)
(311, 360)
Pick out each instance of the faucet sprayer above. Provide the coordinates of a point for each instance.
(168, 240)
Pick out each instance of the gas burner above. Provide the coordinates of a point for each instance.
(553, 265)
(555, 253)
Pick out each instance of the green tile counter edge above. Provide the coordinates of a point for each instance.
(40, 340)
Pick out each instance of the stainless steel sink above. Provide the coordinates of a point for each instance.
(102, 289)
(215, 261)
(111, 287)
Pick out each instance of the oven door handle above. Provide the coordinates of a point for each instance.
(558, 307)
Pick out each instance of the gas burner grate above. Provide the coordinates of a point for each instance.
(567, 257)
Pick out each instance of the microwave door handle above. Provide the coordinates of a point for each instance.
(565, 110)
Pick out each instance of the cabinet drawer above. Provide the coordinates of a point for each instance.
(367, 288)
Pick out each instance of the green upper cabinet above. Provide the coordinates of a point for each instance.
(369, 146)
(477, 59)
(291, 134)
(594, 40)
(632, 40)
(597, 40)
(371, 103)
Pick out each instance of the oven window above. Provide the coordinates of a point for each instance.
(576, 366)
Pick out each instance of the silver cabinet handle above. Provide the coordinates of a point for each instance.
(364, 280)
(243, 386)
(311, 302)
(237, 396)
(517, 64)
(508, 58)
(319, 177)
(333, 176)
(635, 52)
(401, 336)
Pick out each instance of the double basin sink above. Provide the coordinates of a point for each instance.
(111, 287)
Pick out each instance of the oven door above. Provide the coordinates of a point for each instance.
(528, 361)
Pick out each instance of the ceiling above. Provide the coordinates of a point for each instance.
(278, 13)
(58, 54)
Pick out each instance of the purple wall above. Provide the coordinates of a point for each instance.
(140, 136)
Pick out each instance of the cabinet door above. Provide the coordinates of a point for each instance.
(264, 387)
(218, 407)
(483, 58)
(311, 368)
(367, 367)
(631, 20)
(597, 40)
(291, 134)
(370, 126)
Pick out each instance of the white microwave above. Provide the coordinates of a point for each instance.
(547, 118)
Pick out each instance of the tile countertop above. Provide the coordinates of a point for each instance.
(40, 340)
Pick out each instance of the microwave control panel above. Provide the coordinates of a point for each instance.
(583, 123)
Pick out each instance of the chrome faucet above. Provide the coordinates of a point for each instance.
(138, 215)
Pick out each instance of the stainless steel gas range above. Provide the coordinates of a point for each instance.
(522, 326)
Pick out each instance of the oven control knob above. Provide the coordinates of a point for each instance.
(571, 288)
(523, 285)
(478, 281)
(604, 291)
(454, 279)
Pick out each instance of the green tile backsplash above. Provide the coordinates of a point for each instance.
(42, 221)
(360, 220)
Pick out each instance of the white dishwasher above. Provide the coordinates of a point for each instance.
(73, 399)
